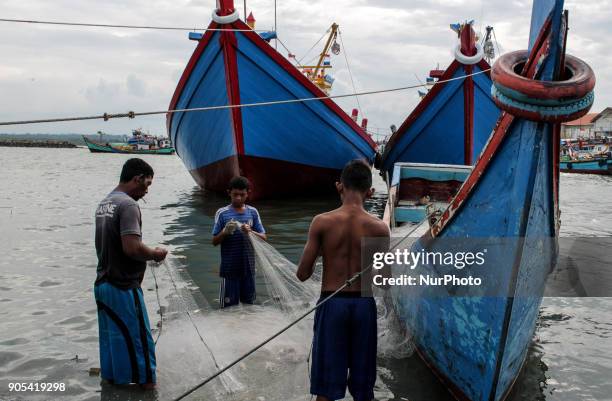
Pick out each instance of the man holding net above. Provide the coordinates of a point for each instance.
(127, 351)
(231, 229)
(345, 332)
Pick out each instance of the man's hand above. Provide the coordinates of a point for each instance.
(246, 228)
(230, 227)
(159, 254)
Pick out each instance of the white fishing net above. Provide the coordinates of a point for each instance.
(196, 341)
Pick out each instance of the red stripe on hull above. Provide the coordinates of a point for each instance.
(426, 101)
(468, 110)
(269, 178)
(229, 44)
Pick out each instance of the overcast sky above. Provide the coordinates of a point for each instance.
(55, 71)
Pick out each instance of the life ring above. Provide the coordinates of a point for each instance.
(469, 60)
(552, 101)
(225, 19)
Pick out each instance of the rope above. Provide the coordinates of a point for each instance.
(161, 314)
(212, 355)
(348, 66)
(287, 49)
(313, 46)
(132, 114)
(164, 28)
(348, 283)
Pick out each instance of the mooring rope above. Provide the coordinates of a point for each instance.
(186, 309)
(161, 313)
(93, 25)
(348, 67)
(132, 114)
(347, 283)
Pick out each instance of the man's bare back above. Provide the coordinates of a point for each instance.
(337, 236)
(345, 323)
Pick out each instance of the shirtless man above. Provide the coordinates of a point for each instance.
(345, 332)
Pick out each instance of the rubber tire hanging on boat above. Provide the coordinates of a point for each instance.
(551, 101)
(225, 19)
(469, 60)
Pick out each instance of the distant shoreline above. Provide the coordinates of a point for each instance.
(28, 143)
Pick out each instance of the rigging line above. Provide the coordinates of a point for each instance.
(212, 355)
(348, 66)
(132, 114)
(288, 51)
(496, 43)
(313, 46)
(164, 28)
(348, 283)
(161, 314)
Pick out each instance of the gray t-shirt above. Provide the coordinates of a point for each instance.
(118, 214)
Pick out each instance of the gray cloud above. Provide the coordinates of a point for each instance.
(49, 70)
(135, 86)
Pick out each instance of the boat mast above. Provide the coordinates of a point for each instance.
(225, 7)
(332, 36)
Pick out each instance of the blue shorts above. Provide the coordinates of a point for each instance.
(127, 350)
(233, 291)
(344, 348)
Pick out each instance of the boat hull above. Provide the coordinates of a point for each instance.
(476, 338)
(268, 176)
(99, 148)
(602, 167)
(452, 123)
(283, 149)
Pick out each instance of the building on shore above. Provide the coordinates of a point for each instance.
(592, 125)
(580, 128)
(602, 123)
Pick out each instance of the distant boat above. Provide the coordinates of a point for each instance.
(475, 338)
(583, 157)
(139, 143)
(289, 149)
(453, 120)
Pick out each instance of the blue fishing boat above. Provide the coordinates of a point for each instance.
(453, 120)
(587, 158)
(598, 165)
(475, 338)
(291, 148)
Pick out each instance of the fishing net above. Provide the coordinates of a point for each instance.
(195, 340)
(295, 297)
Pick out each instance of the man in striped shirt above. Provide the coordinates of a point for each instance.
(233, 224)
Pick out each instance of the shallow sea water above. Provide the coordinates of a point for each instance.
(48, 319)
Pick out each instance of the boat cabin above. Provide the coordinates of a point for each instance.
(421, 191)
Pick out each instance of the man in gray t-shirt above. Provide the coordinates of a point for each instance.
(118, 215)
(127, 350)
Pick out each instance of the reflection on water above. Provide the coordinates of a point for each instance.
(48, 317)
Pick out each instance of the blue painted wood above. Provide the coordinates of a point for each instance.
(204, 137)
(478, 343)
(428, 171)
(434, 175)
(307, 133)
(592, 166)
(410, 214)
(437, 135)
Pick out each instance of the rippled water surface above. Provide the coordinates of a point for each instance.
(48, 319)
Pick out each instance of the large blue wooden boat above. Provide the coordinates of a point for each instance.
(284, 149)
(475, 339)
(453, 121)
